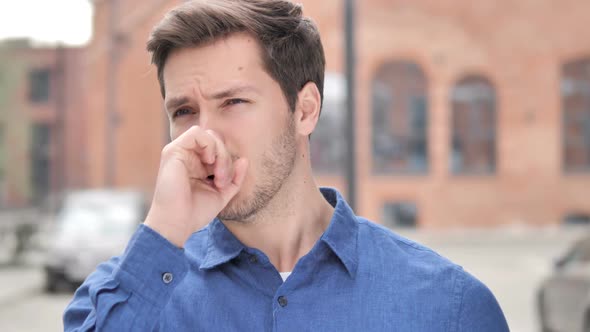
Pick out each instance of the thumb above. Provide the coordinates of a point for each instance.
(240, 168)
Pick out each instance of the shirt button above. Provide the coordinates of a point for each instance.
(167, 277)
(253, 259)
(282, 301)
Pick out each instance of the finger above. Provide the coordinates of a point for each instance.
(223, 169)
(206, 147)
(240, 170)
(197, 140)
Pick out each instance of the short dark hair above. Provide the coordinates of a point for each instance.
(291, 48)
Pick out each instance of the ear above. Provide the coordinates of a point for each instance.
(307, 112)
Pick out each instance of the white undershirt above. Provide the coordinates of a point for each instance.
(285, 275)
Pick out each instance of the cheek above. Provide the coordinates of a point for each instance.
(244, 145)
(173, 133)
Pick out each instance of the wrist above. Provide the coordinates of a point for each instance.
(173, 233)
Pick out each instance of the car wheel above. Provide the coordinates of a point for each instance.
(545, 329)
(541, 312)
(51, 282)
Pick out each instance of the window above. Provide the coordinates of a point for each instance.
(575, 100)
(328, 146)
(473, 112)
(576, 219)
(2, 143)
(3, 159)
(400, 119)
(399, 214)
(40, 161)
(39, 81)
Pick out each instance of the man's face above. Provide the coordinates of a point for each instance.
(222, 86)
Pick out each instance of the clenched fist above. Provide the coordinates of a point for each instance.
(196, 180)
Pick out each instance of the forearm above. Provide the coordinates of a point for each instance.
(129, 292)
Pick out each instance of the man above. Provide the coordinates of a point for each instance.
(242, 82)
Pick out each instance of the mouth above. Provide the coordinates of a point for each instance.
(210, 180)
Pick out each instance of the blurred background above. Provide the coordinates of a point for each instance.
(471, 127)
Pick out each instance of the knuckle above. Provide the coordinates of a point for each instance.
(167, 150)
(215, 135)
(191, 131)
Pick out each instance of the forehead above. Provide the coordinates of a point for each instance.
(237, 55)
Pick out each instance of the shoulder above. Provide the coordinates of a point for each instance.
(427, 274)
(382, 243)
(397, 259)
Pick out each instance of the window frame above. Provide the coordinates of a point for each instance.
(490, 142)
(406, 142)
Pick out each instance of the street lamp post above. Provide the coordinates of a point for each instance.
(349, 28)
(112, 94)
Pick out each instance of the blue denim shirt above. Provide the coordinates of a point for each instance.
(359, 276)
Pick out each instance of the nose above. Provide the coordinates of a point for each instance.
(207, 122)
(203, 120)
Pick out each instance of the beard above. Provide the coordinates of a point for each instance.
(276, 166)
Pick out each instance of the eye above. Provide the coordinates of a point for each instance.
(182, 111)
(234, 101)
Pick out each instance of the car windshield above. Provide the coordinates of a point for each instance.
(98, 219)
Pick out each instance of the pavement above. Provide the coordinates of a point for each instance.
(18, 283)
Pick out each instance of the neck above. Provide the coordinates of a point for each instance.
(292, 222)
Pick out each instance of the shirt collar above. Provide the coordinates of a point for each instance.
(342, 233)
(222, 245)
(340, 237)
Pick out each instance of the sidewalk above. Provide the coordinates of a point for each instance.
(18, 283)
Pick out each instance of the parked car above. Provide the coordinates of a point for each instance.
(564, 298)
(91, 227)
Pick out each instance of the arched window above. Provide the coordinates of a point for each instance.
(473, 120)
(400, 119)
(575, 101)
(327, 144)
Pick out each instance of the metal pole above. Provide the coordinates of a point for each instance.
(349, 29)
(111, 89)
(60, 162)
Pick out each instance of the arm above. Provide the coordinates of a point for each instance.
(128, 293)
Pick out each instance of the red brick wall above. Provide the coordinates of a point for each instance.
(518, 45)
(140, 133)
(63, 112)
(74, 83)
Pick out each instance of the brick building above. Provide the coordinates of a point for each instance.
(469, 113)
(41, 121)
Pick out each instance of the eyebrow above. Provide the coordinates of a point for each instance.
(175, 102)
(232, 92)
